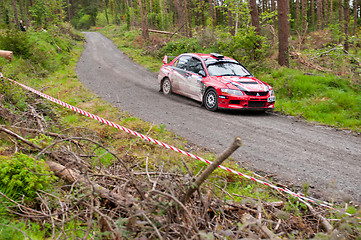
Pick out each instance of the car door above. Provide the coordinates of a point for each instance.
(194, 78)
(179, 75)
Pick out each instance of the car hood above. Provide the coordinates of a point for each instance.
(250, 84)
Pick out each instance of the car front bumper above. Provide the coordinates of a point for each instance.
(246, 102)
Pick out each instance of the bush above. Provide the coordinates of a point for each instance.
(23, 175)
(16, 41)
(246, 46)
(184, 45)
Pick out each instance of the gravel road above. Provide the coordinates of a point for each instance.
(292, 151)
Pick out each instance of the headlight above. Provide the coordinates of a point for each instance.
(231, 92)
(272, 93)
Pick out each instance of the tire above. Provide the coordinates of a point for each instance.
(211, 100)
(166, 86)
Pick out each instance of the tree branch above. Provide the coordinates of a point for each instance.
(205, 174)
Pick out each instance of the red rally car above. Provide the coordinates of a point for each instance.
(216, 81)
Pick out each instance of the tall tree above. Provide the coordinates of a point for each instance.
(340, 17)
(106, 11)
(326, 15)
(273, 8)
(143, 15)
(297, 14)
(283, 32)
(16, 15)
(69, 13)
(355, 6)
(312, 13)
(319, 14)
(304, 14)
(346, 22)
(254, 15)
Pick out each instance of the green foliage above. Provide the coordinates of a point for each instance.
(46, 12)
(16, 41)
(183, 45)
(11, 230)
(246, 46)
(23, 175)
(14, 98)
(101, 20)
(38, 51)
(295, 206)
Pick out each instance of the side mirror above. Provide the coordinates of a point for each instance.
(202, 73)
(165, 59)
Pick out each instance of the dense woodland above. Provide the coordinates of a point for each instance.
(268, 19)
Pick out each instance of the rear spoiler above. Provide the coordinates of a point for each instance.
(165, 59)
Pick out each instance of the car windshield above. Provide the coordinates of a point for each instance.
(227, 69)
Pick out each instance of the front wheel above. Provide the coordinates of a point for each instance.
(166, 86)
(211, 100)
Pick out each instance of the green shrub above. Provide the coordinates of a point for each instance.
(23, 175)
(184, 45)
(246, 46)
(16, 41)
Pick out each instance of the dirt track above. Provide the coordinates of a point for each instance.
(292, 151)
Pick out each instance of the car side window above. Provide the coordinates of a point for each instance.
(182, 62)
(194, 65)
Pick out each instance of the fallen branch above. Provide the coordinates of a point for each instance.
(250, 220)
(328, 227)
(205, 174)
(161, 32)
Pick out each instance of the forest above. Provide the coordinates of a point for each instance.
(65, 176)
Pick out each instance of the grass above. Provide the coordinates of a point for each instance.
(326, 99)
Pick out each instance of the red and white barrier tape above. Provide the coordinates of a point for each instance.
(102, 120)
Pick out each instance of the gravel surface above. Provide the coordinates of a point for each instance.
(292, 151)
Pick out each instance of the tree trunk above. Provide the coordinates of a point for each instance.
(150, 12)
(16, 15)
(326, 15)
(181, 21)
(69, 15)
(340, 18)
(232, 29)
(304, 15)
(254, 15)
(273, 8)
(319, 14)
(189, 18)
(283, 32)
(165, 13)
(297, 14)
(106, 11)
(347, 20)
(355, 17)
(143, 16)
(22, 10)
(312, 10)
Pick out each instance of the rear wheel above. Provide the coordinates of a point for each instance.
(166, 86)
(211, 100)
